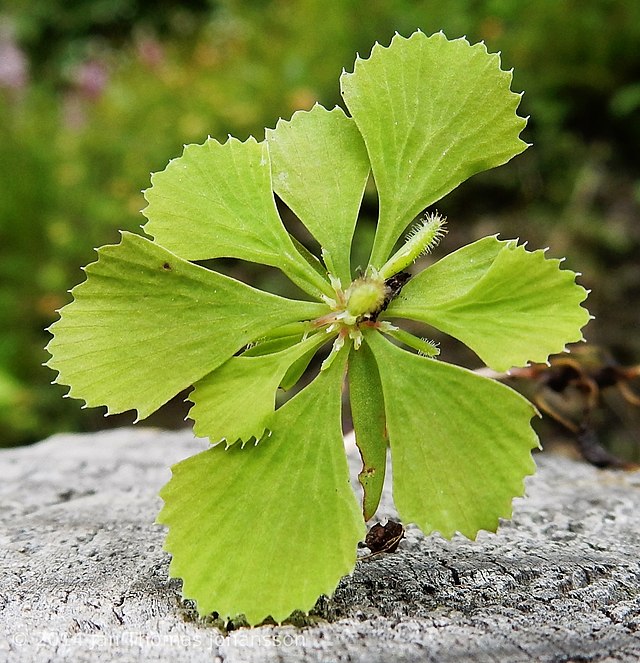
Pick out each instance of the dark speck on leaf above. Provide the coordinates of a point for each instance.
(166, 267)
(393, 286)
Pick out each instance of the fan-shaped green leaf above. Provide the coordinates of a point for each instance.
(235, 401)
(147, 324)
(432, 113)
(216, 201)
(320, 167)
(509, 305)
(460, 443)
(265, 530)
(453, 275)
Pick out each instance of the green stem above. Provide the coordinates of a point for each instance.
(291, 329)
(419, 344)
(422, 238)
(305, 276)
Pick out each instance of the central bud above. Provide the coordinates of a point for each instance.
(364, 297)
(360, 303)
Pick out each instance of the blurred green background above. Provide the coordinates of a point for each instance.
(96, 94)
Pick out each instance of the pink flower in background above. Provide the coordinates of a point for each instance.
(150, 51)
(90, 78)
(14, 67)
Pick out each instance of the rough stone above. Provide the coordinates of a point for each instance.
(84, 576)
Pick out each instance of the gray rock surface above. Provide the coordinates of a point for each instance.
(84, 577)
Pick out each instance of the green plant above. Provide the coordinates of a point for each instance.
(265, 528)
